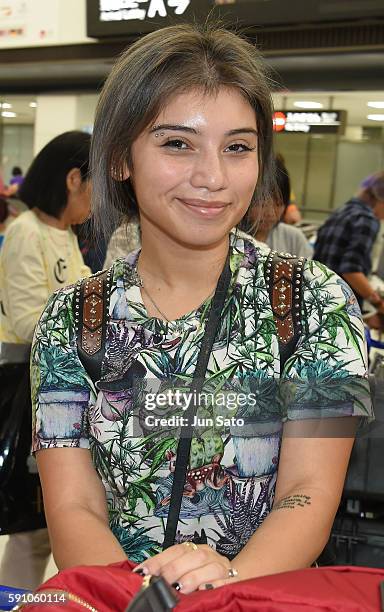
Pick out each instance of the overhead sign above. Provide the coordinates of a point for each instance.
(318, 122)
(116, 17)
(119, 17)
(29, 22)
(131, 10)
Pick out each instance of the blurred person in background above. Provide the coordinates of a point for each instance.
(344, 242)
(93, 248)
(15, 182)
(277, 234)
(5, 218)
(17, 176)
(3, 186)
(291, 214)
(40, 254)
(125, 239)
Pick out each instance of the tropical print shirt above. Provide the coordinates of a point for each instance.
(232, 470)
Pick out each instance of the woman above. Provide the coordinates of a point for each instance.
(40, 254)
(15, 182)
(183, 137)
(17, 176)
(5, 218)
(277, 234)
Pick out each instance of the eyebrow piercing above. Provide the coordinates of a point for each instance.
(157, 135)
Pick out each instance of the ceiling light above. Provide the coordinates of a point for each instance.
(376, 104)
(33, 104)
(8, 114)
(5, 105)
(307, 104)
(376, 117)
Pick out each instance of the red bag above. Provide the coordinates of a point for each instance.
(331, 589)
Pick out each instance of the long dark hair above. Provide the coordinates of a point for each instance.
(4, 211)
(45, 184)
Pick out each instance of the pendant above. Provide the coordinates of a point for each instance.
(178, 328)
(134, 277)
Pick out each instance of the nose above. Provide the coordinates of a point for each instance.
(209, 171)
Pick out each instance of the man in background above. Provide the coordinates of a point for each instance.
(344, 242)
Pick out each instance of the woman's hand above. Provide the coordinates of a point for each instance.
(188, 567)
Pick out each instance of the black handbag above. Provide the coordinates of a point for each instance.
(365, 476)
(358, 531)
(358, 541)
(21, 503)
(156, 595)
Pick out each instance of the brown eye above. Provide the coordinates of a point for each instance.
(239, 148)
(176, 143)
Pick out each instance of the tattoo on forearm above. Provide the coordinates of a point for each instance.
(293, 501)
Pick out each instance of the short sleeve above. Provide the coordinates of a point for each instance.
(327, 376)
(61, 389)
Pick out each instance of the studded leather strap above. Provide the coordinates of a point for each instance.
(283, 274)
(91, 305)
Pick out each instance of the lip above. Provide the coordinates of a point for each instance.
(205, 208)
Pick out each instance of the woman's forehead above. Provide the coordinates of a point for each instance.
(198, 108)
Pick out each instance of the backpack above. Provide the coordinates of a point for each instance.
(283, 275)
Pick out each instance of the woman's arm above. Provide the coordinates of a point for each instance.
(76, 510)
(362, 286)
(308, 490)
(310, 481)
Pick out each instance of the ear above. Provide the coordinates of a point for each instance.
(74, 180)
(120, 173)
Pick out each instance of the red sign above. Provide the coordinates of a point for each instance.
(279, 121)
(327, 121)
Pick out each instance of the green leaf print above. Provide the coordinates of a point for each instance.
(328, 348)
(136, 543)
(58, 368)
(314, 266)
(156, 455)
(141, 490)
(351, 333)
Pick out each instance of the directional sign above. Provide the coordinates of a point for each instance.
(326, 121)
(119, 17)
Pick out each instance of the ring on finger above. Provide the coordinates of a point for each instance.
(190, 545)
(232, 572)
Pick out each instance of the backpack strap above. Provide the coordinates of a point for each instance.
(284, 278)
(91, 306)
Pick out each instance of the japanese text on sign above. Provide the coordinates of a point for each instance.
(124, 10)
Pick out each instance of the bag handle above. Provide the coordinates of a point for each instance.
(184, 446)
(91, 306)
(284, 279)
(283, 274)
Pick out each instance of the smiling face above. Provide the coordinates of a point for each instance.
(196, 168)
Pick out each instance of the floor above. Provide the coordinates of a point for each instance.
(51, 569)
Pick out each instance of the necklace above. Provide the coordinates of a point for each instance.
(178, 324)
(140, 283)
(155, 305)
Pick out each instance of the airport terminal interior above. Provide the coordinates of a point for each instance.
(325, 61)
